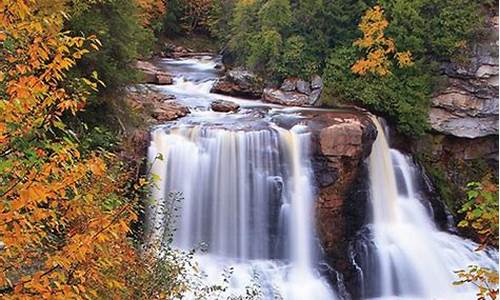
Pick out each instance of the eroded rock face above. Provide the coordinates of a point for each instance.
(224, 106)
(340, 143)
(342, 139)
(152, 74)
(239, 83)
(468, 106)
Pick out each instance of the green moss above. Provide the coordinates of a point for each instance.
(447, 191)
(450, 175)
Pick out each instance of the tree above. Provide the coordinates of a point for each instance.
(378, 47)
(64, 224)
(123, 27)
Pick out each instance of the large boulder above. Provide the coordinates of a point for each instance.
(468, 105)
(169, 110)
(278, 96)
(224, 106)
(296, 92)
(342, 139)
(152, 74)
(239, 83)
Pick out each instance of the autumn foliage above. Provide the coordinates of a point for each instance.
(481, 215)
(379, 49)
(64, 220)
(151, 10)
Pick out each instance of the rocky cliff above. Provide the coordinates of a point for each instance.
(341, 142)
(464, 117)
(468, 105)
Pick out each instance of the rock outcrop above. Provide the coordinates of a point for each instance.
(239, 83)
(152, 74)
(468, 106)
(224, 106)
(341, 142)
(296, 92)
(158, 107)
(278, 96)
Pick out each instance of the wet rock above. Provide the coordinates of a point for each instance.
(342, 139)
(163, 79)
(239, 83)
(152, 74)
(224, 106)
(277, 96)
(169, 110)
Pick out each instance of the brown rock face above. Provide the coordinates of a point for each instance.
(152, 74)
(169, 110)
(342, 140)
(224, 106)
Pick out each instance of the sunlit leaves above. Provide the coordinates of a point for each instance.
(486, 281)
(481, 211)
(378, 48)
(481, 214)
(57, 241)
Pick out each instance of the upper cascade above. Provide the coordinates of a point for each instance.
(246, 191)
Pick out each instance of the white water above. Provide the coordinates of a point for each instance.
(246, 191)
(407, 257)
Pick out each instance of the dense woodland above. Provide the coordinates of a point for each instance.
(70, 196)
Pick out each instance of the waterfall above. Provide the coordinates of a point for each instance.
(402, 254)
(248, 195)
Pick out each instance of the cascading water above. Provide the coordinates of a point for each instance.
(402, 254)
(246, 194)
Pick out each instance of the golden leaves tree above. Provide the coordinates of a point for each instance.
(378, 48)
(63, 225)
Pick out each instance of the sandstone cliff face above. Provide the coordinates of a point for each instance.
(468, 106)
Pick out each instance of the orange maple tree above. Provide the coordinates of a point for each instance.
(63, 222)
(151, 10)
(377, 46)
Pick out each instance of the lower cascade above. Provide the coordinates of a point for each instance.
(401, 254)
(246, 194)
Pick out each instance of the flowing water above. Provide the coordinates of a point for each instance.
(246, 190)
(401, 254)
(247, 196)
